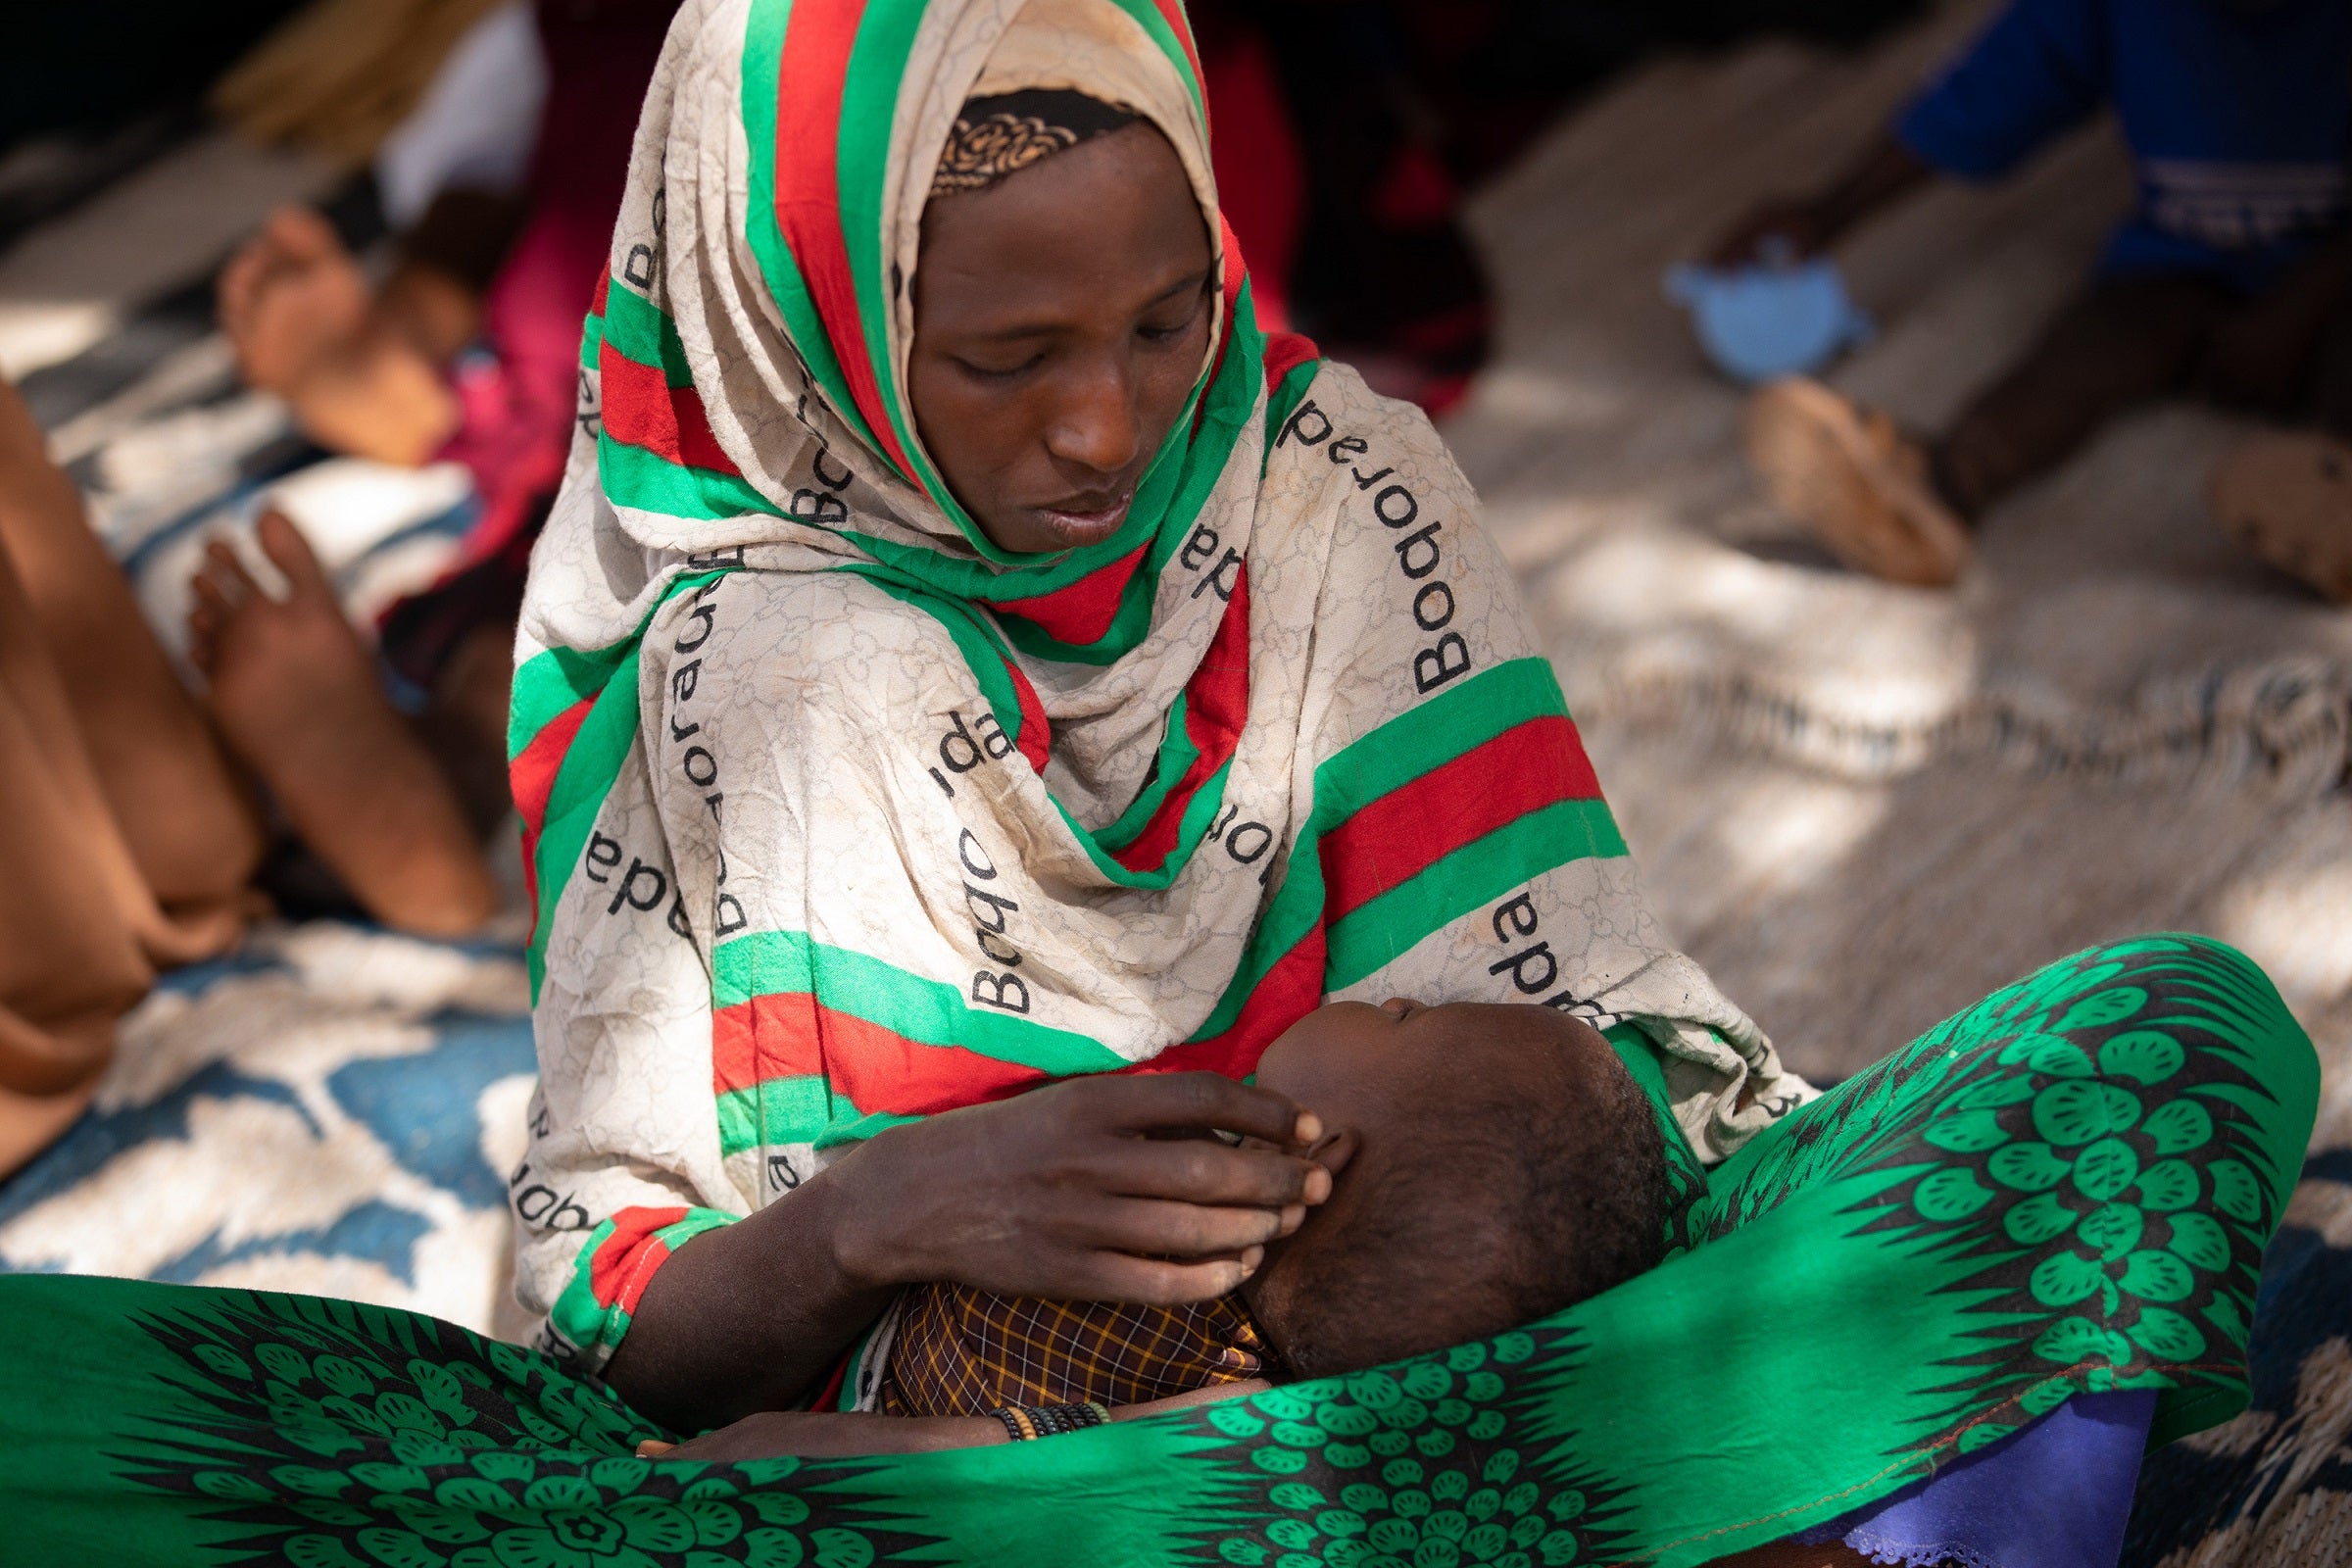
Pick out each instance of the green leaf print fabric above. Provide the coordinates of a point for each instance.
(2065, 1187)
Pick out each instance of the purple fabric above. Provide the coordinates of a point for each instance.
(2054, 1494)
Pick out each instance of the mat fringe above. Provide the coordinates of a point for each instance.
(2281, 726)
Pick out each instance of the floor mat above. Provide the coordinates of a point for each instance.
(1862, 807)
(335, 1110)
(332, 1108)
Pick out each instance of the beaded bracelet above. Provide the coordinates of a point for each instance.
(1026, 1423)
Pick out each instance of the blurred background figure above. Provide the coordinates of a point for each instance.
(2230, 278)
(139, 813)
(127, 834)
(1400, 108)
(501, 184)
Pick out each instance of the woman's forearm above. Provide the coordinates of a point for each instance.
(746, 1317)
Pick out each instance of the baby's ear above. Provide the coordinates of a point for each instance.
(1335, 1148)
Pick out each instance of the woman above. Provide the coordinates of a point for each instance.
(969, 656)
(980, 657)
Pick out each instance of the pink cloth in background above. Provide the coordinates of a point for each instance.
(518, 392)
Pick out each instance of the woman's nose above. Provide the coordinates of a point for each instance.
(1096, 425)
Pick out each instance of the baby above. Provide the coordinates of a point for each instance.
(1492, 1164)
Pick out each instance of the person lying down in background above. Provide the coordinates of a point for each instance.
(1489, 1165)
(467, 353)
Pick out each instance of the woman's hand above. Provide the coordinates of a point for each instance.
(1085, 1189)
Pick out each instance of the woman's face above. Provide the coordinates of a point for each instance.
(1061, 319)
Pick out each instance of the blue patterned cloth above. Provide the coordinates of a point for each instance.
(333, 1110)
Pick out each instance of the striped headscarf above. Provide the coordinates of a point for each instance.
(839, 815)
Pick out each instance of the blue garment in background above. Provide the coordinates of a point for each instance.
(2238, 116)
(2055, 1494)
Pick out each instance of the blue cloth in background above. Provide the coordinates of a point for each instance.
(2238, 115)
(2053, 1494)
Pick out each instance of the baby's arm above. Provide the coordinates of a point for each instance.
(830, 1434)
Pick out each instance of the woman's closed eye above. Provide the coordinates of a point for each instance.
(1001, 372)
(1166, 327)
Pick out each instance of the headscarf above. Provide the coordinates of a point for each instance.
(839, 814)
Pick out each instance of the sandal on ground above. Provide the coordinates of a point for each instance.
(2287, 495)
(1856, 481)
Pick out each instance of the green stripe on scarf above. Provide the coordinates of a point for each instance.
(930, 1012)
(1386, 927)
(591, 763)
(1457, 721)
(647, 481)
(869, 112)
(763, 52)
(781, 1112)
(639, 329)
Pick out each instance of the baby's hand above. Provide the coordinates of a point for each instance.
(829, 1434)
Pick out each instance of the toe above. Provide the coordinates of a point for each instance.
(204, 631)
(301, 231)
(222, 564)
(232, 293)
(223, 576)
(210, 607)
(292, 555)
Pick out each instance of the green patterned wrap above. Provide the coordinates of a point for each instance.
(2067, 1187)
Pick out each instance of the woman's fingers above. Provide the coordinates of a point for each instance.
(1202, 1170)
(1153, 1281)
(1198, 1101)
(1185, 1232)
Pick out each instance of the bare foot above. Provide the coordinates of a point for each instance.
(303, 323)
(296, 695)
(2287, 495)
(289, 298)
(1861, 485)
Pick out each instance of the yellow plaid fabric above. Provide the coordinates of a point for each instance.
(962, 1351)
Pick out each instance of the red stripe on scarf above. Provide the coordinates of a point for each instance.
(811, 78)
(1172, 13)
(793, 1035)
(1216, 704)
(1036, 740)
(627, 1259)
(531, 778)
(1080, 611)
(1236, 272)
(1284, 353)
(1412, 827)
(604, 287)
(1290, 990)
(641, 408)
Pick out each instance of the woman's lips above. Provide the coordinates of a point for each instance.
(1085, 526)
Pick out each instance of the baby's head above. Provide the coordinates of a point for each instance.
(1500, 1164)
